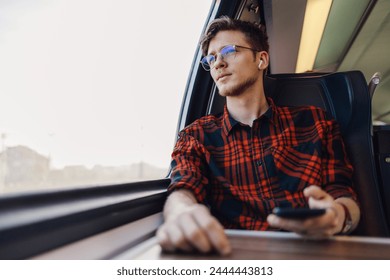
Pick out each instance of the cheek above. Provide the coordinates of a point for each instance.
(248, 73)
(213, 75)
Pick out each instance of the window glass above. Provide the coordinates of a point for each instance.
(91, 89)
(369, 53)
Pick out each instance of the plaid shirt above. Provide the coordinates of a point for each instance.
(243, 172)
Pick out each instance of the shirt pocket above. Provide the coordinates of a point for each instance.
(298, 166)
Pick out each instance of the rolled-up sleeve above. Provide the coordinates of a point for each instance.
(188, 167)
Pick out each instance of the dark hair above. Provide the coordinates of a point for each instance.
(254, 33)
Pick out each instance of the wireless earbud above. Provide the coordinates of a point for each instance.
(261, 62)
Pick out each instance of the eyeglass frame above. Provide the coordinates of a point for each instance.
(216, 57)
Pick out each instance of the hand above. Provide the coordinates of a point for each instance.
(317, 227)
(194, 229)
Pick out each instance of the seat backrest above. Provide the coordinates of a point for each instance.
(345, 97)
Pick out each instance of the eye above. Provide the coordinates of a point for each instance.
(207, 62)
(210, 59)
(227, 51)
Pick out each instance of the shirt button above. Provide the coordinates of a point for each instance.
(259, 162)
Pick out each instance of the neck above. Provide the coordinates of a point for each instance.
(247, 107)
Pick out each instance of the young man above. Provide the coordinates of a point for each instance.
(231, 171)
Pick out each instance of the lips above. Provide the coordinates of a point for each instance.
(222, 75)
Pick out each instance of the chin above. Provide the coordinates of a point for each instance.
(223, 91)
(237, 89)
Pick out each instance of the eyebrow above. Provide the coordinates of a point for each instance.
(213, 53)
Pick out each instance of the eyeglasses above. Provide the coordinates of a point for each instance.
(208, 61)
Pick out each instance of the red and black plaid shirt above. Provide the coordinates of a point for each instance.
(243, 172)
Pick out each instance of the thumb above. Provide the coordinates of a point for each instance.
(317, 198)
(315, 192)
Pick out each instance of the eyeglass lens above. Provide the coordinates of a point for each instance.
(209, 60)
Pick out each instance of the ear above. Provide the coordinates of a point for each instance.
(263, 60)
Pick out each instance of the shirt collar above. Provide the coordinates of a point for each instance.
(229, 122)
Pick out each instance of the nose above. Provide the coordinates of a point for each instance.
(219, 62)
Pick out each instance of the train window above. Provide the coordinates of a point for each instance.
(91, 89)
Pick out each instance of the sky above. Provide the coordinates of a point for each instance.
(96, 82)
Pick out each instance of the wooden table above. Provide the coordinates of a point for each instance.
(276, 246)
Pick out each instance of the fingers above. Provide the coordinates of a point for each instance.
(197, 230)
(197, 238)
(215, 233)
(316, 227)
(170, 239)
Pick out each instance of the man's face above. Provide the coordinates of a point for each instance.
(238, 73)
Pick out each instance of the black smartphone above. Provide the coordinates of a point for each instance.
(297, 213)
